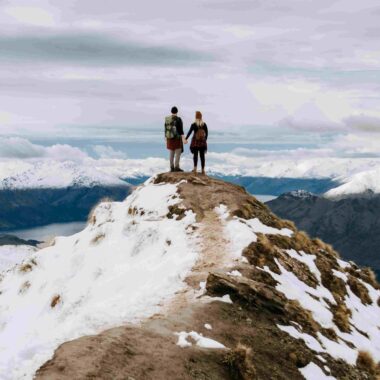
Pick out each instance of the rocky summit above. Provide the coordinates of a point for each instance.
(189, 278)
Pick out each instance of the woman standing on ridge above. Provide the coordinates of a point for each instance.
(199, 141)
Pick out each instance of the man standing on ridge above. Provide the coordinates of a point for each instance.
(175, 139)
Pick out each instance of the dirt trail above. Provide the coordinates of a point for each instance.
(214, 249)
(213, 256)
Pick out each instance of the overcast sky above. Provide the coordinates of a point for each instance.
(287, 72)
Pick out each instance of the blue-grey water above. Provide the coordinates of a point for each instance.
(49, 231)
(264, 198)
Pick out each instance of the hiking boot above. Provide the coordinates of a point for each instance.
(194, 171)
(203, 172)
(178, 170)
(172, 169)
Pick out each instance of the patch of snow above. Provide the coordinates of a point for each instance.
(310, 299)
(313, 372)
(208, 326)
(365, 334)
(240, 236)
(200, 340)
(235, 273)
(241, 233)
(10, 255)
(303, 194)
(340, 275)
(309, 340)
(222, 211)
(366, 319)
(338, 350)
(307, 259)
(257, 226)
(182, 339)
(322, 359)
(226, 299)
(343, 264)
(119, 269)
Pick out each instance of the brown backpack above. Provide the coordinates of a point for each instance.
(200, 135)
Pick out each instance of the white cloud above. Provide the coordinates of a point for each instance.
(16, 147)
(272, 64)
(356, 145)
(30, 15)
(106, 151)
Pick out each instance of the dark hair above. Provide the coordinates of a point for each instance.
(174, 110)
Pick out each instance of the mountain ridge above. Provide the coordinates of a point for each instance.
(233, 292)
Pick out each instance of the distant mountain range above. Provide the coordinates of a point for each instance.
(34, 207)
(52, 192)
(14, 240)
(56, 175)
(350, 224)
(38, 192)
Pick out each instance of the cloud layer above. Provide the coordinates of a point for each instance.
(285, 71)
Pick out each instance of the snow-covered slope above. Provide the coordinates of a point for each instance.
(316, 298)
(11, 255)
(53, 174)
(366, 182)
(120, 268)
(283, 294)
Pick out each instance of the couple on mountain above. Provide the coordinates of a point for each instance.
(175, 139)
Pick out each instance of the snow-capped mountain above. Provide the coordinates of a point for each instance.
(41, 173)
(299, 194)
(40, 192)
(364, 183)
(204, 274)
(55, 174)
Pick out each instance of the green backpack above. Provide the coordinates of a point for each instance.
(171, 128)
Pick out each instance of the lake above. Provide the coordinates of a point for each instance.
(49, 231)
(265, 198)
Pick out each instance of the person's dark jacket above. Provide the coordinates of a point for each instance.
(195, 144)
